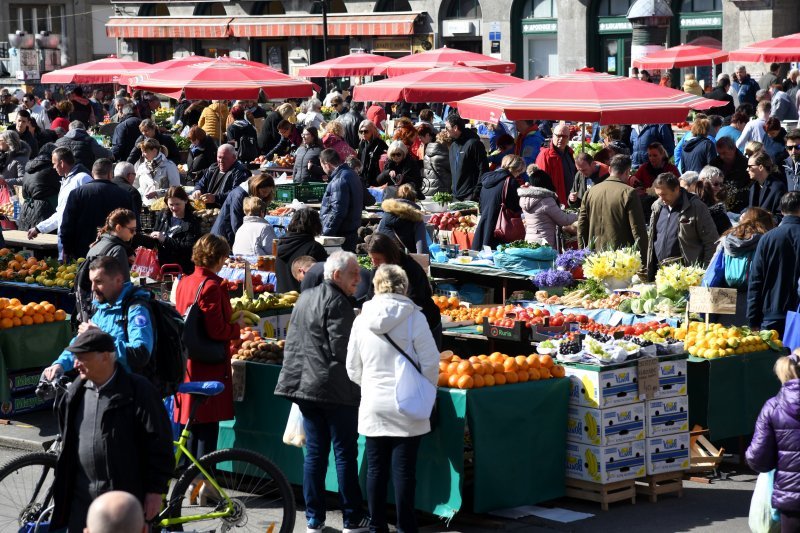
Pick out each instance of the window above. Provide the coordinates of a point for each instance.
(464, 9)
(699, 6)
(540, 9)
(614, 8)
(334, 6)
(153, 10)
(34, 18)
(389, 6)
(214, 9)
(270, 7)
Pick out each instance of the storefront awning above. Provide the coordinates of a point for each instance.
(339, 25)
(168, 27)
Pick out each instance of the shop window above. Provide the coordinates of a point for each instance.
(540, 9)
(334, 6)
(213, 9)
(614, 8)
(390, 6)
(154, 10)
(34, 18)
(270, 7)
(464, 9)
(699, 6)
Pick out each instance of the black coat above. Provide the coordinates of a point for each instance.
(406, 171)
(235, 176)
(304, 156)
(86, 211)
(370, 156)
(201, 158)
(719, 94)
(231, 215)
(133, 192)
(697, 153)
(775, 268)
(419, 290)
(173, 154)
(350, 122)
(124, 139)
(768, 196)
(467, 163)
(40, 186)
(237, 130)
(491, 193)
(85, 149)
(268, 137)
(290, 247)
(134, 440)
(403, 219)
(176, 248)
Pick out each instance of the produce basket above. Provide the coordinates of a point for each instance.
(303, 192)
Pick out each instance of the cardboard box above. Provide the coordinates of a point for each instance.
(606, 464)
(24, 403)
(606, 427)
(274, 323)
(24, 380)
(669, 453)
(602, 389)
(667, 416)
(671, 378)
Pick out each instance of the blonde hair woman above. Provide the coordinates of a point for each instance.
(155, 174)
(334, 139)
(498, 187)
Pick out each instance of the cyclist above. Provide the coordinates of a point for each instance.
(115, 432)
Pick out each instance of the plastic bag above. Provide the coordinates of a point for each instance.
(763, 518)
(524, 260)
(414, 395)
(791, 334)
(146, 263)
(295, 434)
(715, 273)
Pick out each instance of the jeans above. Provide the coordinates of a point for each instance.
(325, 425)
(395, 456)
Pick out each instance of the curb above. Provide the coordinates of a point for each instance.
(16, 443)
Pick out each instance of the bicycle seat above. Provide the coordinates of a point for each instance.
(201, 388)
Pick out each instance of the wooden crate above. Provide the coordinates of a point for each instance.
(664, 483)
(705, 457)
(604, 494)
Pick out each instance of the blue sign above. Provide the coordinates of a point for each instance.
(494, 35)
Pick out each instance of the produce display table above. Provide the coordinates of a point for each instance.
(237, 274)
(61, 297)
(502, 281)
(611, 317)
(30, 347)
(726, 394)
(44, 242)
(526, 419)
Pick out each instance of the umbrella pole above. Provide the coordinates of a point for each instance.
(583, 137)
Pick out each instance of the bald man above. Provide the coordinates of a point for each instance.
(115, 512)
(220, 179)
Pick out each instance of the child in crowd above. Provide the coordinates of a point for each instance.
(255, 235)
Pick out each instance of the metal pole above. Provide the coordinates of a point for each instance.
(324, 29)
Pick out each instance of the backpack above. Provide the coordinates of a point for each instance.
(167, 365)
(737, 270)
(247, 149)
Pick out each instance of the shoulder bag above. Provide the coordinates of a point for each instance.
(509, 226)
(199, 346)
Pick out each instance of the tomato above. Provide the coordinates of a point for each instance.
(583, 319)
(557, 321)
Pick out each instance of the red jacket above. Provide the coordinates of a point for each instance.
(550, 161)
(217, 311)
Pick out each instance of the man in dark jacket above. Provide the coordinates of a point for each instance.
(125, 134)
(791, 165)
(299, 241)
(350, 122)
(720, 93)
(40, 187)
(116, 435)
(310, 273)
(87, 208)
(370, 150)
(220, 179)
(314, 377)
(82, 145)
(124, 176)
(733, 165)
(772, 289)
(644, 135)
(768, 186)
(745, 86)
(468, 159)
(343, 200)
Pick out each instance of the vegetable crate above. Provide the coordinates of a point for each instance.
(302, 192)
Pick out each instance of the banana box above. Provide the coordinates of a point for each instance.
(671, 378)
(274, 323)
(606, 464)
(602, 388)
(667, 416)
(605, 427)
(668, 453)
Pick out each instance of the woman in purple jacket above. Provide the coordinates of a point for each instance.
(776, 442)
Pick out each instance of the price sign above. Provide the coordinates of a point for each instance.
(647, 377)
(712, 300)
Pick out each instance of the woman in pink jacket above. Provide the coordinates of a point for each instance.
(334, 138)
(541, 212)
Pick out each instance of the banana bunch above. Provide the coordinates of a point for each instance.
(288, 299)
(250, 319)
(592, 431)
(592, 465)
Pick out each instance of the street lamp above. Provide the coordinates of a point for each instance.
(324, 7)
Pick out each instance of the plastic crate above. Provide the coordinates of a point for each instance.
(303, 192)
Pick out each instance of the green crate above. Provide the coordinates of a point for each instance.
(304, 192)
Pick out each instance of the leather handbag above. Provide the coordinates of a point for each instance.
(200, 347)
(509, 227)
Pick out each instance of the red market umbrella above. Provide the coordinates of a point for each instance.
(443, 57)
(108, 70)
(444, 84)
(356, 64)
(181, 62)
(586, 96)
(223, 78)
(685, 55)
(778, 50)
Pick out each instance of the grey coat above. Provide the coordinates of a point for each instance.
(436, 169)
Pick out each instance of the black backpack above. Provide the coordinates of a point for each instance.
(246, 149)
(167, 365)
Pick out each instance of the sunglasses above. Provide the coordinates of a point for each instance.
(363, 131)
(791, 147)
(752, 166)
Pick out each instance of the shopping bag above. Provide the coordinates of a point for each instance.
(414, 395)
(763, 518)
(715, 273)
(509, 226)
(295, 434)
(146, 263)
(791, 334)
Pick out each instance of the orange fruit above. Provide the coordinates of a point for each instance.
(522, 376)
(6, 313)
(6, 323)
(488, 380)
(13, 265)
(455, 359)
(533, 374)
(474, 359)
(443, 366)
(14, 302)
(18, 312)
(48, 317)
(452, 381)
(49, 308)
(465, 368)
(443, 380)
(478, 381)
(479, 368)
(16, 321)
(498, 368)
(544, 373)
(558, 371)
(500, 379)
(3, 303)
(510, 365)
(465, 382)
(4, 251)
(512, 377)
(522, 362)
(38, 309)
(38, 319)
(533, 360)
(27, 320)
(546, 361)
(29, 310)
(496, 357)
(452, 368)
(483, 357)
(19, 258)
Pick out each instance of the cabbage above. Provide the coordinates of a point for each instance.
(637, 306)
(625, 306)
(649, 307)
(648, 293)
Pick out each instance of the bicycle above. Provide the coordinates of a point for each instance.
(230, 489)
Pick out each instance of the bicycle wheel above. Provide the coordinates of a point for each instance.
(261, 498)
(26, 490)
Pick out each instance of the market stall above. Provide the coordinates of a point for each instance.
(45, 244)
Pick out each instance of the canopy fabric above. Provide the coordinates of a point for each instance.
(223, 78)
(586, 96)
(685, 55)
(168, 27)
(356, 64)
(443, 57)
(339, 25)
(181, 61)
(444, 84)
(107, 70)
(778, 50)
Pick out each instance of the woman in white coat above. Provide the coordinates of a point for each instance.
(392, 438)
(155, 174)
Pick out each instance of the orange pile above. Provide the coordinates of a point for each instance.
(447, 302)
(476, 314)
(495, 369)
(13, 313)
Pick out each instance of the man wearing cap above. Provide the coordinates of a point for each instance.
(115, 432)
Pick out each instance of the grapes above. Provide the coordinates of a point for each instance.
(638, 340)
(569, 347)
(602, 337)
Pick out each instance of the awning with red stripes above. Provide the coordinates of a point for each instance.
(168, 27)
(339, 25)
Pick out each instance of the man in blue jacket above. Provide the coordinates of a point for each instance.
(341, 205)
(220, 179)
(643, 135)
(772, 289)
(125, 134)
(745, 86)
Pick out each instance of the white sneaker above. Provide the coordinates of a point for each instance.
(360, 527)
(317, 529)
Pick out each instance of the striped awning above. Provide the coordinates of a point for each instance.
(168, 27)
(339, 25)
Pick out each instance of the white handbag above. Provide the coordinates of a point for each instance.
(414, 395)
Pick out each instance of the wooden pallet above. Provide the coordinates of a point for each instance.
(604, 494)
(657, 484)
(705, 457)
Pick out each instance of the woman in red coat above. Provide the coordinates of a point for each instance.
(208, 255)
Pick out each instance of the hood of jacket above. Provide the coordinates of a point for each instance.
(38, 164)
(436, 149)
(466, 135)
(695, 142)
(620, 147)
(403, 209)
(78, 135)
(734, 246)
(495, 178)
(789, 398)
(291, 242)
(384, 312)
(535, 192)
(216, 107)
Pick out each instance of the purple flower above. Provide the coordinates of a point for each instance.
(553, 278)
(572, 258)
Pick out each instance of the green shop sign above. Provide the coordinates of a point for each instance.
(711, 20)
(614, 25)
(538, 26)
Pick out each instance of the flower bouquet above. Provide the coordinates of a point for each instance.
(614, 268)
(673, 281)
(572, 261)
(555, 281)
